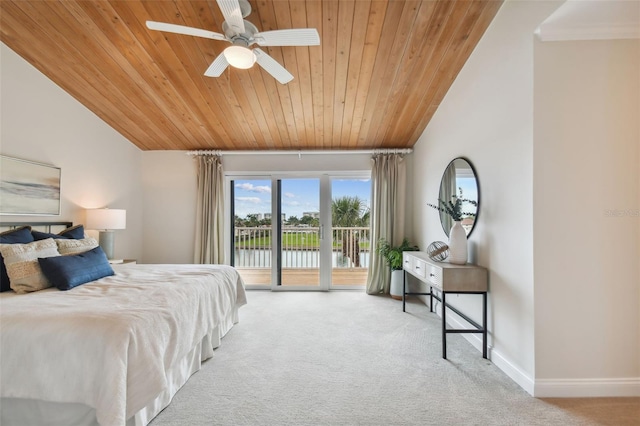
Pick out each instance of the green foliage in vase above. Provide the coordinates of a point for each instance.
(393, 255)
(453, 207)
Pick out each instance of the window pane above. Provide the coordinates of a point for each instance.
(252, 231)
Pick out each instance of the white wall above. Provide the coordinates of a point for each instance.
(42, 123)
(170, 186)
(292, 163)
(487, 117)
(586, 216)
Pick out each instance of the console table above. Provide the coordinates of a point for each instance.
(444, 278)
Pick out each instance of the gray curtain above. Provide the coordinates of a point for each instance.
(388, 187)
(209, 246)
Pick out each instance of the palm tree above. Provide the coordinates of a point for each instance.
(349, 212)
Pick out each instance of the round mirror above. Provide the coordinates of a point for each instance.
(459, 181)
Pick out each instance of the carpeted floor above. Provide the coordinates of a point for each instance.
(346, 358)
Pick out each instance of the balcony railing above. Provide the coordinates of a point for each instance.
(301, 247)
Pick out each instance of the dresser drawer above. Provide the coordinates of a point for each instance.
(408, 262)
(433, 275)
(419, 268)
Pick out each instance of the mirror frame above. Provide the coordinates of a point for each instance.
(475, 175)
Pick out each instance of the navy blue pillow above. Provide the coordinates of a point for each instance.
(67, 272)
(20, 235)
(73, 233)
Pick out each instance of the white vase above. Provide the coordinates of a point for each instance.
(457, 244)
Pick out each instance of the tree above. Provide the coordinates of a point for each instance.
(309, 220)
(265, 222)
(350, 212)
(252, 220)
(293, 220)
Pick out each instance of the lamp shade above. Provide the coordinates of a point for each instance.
(103, 219)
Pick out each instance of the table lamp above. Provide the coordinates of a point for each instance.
(106, 221)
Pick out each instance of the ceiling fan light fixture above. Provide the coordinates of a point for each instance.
(240, 57)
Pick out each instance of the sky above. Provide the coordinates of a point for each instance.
(469, 188)
(298, 195)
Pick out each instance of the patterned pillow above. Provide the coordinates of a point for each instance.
(66, 246)
(20, 235)
(22, 265)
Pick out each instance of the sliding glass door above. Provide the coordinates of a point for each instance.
(300, 232)
(252, 230)
(350, 231)
(289, 233)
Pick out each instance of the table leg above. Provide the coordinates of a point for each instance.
(404, 289)
(430, 299)
(484, 325)
(444, 326)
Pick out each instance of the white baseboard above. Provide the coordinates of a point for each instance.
(586, 388)
(548, 388)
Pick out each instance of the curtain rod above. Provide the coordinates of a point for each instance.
(299, 153)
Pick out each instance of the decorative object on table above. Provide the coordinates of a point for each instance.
(457, 234)
(106, 221)
(393, 256)
(457, 244)
(438, 251)
(28, 188)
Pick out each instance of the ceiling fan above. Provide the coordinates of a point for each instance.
(243, 34)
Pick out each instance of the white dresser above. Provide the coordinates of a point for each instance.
(444, 278)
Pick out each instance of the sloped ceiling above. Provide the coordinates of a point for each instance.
(375, 81)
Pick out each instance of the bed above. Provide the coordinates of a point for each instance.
(112, 351)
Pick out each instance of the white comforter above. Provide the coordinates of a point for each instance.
(107, 344)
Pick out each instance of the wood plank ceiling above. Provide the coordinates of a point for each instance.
(375, 81)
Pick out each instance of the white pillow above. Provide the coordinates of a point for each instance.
(21, 261)
(69, 246)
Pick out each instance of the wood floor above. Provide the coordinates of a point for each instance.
(305, 276)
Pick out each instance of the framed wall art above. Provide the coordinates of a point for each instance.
(28, 188)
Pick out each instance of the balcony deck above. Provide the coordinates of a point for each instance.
(305, 276)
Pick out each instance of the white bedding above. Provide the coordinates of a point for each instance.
(109, 344)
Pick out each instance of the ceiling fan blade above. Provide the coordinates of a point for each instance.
(217, 67)
(232, 15)
(181, 29)
(291, 37)
(271, 66)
